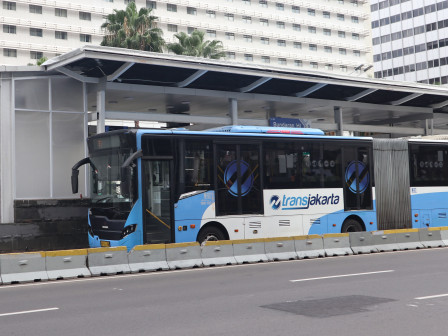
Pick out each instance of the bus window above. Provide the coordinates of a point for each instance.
(332, 166)
(311, 165)
(429, 165)
(157, 146)
(251, 195)
(228, 189)
(197, 165)
(281, 165)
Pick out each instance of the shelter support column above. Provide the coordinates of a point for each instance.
(429, 126)
(338, 120)
(101, 106)
(233, 110)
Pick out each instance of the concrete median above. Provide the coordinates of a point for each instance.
(280, 248)
(408, 239)
(23, 267)
(66, 264)
(148, 258)
(183, 255)
(431, 237)
(248, 251)
(218, 253)
(337, 244)
(108, 260)
(362, 242)
(308, 247)
(385, 241)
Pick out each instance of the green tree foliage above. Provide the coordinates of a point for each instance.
(133, 29)
(194, 45)
(41, 60)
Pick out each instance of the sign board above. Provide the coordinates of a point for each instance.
(288, 122)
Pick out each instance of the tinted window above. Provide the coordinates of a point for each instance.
(429, 165)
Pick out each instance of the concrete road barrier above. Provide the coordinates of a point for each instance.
(23, 267)
(249, 251)
(280, 248)
(362, 242)
(147, 258)
(218, 253)
(408, 239)
(310, 246)
(108, 260)
(337, 244)
(444, 235)
(431, 237)
(183, 255)
(385, 241)
(66, 264)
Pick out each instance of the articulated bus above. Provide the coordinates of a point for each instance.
(240, 182)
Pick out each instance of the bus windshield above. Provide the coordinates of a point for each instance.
(106, 180)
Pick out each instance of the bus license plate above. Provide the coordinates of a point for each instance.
(104, 243)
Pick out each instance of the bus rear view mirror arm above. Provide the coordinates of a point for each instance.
(125, 185)
(75, 173)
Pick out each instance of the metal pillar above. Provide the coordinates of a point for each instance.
(429, 126)
(233, 110)
(101, 106)
(338, 120)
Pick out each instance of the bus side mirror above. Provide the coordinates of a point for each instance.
(75, 173)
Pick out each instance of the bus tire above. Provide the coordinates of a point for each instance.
(210, 233)
(351, 225)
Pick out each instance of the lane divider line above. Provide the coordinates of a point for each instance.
(341, 276)
(29, 311)
(430, 297)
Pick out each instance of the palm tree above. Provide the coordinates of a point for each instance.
(194, 45)
(133, 30)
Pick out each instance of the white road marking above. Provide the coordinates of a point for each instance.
(29, 311)
(431, 297)
(341, 276)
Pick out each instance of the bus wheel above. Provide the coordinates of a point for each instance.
(210, 234)
(351, 225)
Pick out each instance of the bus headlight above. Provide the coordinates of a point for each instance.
(128, 230)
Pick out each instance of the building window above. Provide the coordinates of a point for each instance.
(264, 22)
(356, 53)
(297, 45)
(60, 12)
(311, 12)
(192, 11)
(329, 67)
(151, 4)
(314, 65)
(355, 19)
(36, 32)
(343, 68)
(312, 30)
(328, 49)
(211, 33)
(313, 47)
(248, 57)
(190, 30)
(280, 6)
(340, 17)
(246, 2)
(341, 2)
(280, 25)
(126, 2)
(342, 51)
(172, 28)
(230, 55)
(229, 17)
(85, 16)
(35, 9)
(247, 19)
(230, 36)
(85, 38)
(10, 52)
(35, 55)
(298, 63)
(355, 36)
(327, 32)
(60, 35)
(247, 38)
(263, 3)
(171, 8)
(295, 9)
(9, 5)
(282, 61)
(354, 3)
(264, 40)
(211, 14)
(296, 27)
(265, 59)
(281, 43)
(341, 34)
(9, 29)
(326, 15)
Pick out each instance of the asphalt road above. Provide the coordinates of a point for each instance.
(400, 293)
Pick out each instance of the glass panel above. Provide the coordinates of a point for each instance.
(31, 94)
(59, 88)
(32, 142)
(197, 166)
(68, 148)
(311, 165)
(281, 165)
(429, 165)
(227, 200)
(332, 166)
(250, 179)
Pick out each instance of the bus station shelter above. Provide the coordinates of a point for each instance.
(46, 112)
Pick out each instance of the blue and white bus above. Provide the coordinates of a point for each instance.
(240, 182)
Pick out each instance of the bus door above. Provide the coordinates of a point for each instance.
(357, 178)
(157, 205)
(238, 182)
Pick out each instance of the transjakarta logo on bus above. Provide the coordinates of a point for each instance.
(301, 202)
